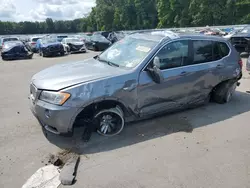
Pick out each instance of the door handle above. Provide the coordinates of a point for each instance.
(219, 66)
(183, 73)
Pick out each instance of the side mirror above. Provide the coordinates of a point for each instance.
(156, 62)
(155, 72)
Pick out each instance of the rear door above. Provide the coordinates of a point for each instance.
(202, 71)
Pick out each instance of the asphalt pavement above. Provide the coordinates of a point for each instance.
(203, 147)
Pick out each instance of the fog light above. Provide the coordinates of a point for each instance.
(47, 113)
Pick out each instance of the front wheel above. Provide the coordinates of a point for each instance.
(109, 122)
(223, 93)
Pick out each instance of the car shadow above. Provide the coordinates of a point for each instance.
(141, 131)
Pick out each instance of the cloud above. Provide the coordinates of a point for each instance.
(55, 9)
(7, 9)
(64, 10)
(57, 2)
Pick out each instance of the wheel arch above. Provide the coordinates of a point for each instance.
(89, 110)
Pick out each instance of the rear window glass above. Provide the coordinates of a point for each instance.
(10, 39)
(34, 39)
(203, 51)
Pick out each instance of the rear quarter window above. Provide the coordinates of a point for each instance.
(220, 50)
(224, 49)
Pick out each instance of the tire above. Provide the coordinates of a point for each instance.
(62, 53)
(41, 53)
(109, 122)
(224, 91)
(96, 48)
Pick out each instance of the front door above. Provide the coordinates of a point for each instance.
(172, 93)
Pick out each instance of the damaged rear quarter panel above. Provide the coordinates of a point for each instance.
(120, 88)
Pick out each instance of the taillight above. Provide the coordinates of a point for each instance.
(33, 43)
(240, 63)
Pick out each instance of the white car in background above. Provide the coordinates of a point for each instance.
(73, 45)
(32, 43)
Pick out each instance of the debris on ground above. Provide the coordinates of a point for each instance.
(60, 158)
(68, 173)
(47, 176)
(55, 160)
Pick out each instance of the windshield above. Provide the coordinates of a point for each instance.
(128, 52)
(72, 40)
(246, 30)
(99, 38)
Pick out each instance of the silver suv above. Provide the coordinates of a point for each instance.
(142, 75)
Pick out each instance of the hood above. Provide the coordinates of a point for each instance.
(64, 75)
(51, 44)
(241, 35)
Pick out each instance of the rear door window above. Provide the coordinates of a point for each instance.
(203, 51)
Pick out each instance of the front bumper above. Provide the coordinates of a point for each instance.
(54, 118)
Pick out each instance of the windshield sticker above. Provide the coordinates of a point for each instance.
(113, 53)
(143, 49)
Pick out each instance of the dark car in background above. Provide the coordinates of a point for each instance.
(115, 36)
(73, 45)
(241, 40)
(14, 50)
(7, 39)
(50, 47)
(97, 42)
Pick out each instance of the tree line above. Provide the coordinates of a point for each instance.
(141, 14)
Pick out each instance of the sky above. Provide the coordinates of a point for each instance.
(39, 10)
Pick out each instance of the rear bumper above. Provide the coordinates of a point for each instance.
(55, 119)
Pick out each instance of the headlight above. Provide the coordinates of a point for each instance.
(58, 98)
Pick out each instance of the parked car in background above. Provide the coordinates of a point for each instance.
(83, 37)
(50, 47)
(103, 33)
(73, 45)
(231, 33)
(32, 43)
(213, 31)
(115, 36)
(13, 50)
(3, 40)
(241, 40)
(61, 37)
(97, 42)
(139, 77)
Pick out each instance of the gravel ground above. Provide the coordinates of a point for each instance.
(203, 147)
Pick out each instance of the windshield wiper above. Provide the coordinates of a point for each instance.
(107, 62)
